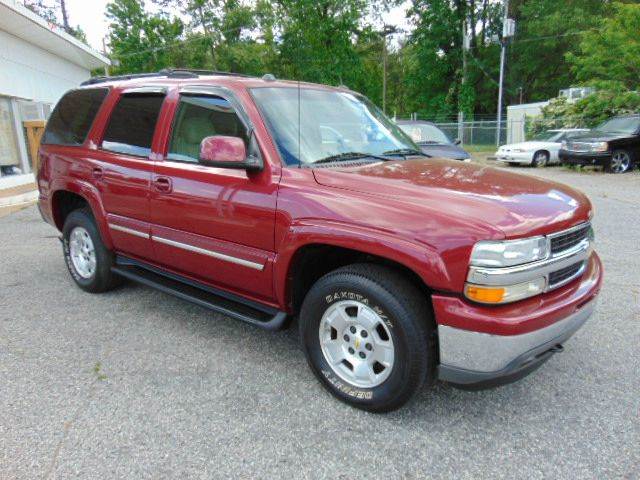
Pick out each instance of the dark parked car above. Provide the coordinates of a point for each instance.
(614, 145)
(433, 141)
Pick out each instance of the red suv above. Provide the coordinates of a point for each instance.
(269, 200)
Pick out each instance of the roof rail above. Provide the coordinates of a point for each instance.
(167, 72)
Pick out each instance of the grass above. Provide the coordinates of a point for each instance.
(480, 148)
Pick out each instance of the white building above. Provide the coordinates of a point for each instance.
(517, 118)
(39, 62)
(517, 114)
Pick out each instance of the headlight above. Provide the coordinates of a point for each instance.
(510, 252)
(599, 147)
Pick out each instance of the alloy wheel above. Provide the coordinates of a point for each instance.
(357, 344)
(82, 252)
(620, 162)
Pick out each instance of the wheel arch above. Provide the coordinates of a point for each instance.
(69, 196)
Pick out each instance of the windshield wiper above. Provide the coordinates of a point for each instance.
(343, 157)
(405, 152)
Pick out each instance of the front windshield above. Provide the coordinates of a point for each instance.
(627, 125)
(309, 125)
(548, 136)
(425, 133)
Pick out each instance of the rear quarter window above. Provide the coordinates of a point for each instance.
(73, 116)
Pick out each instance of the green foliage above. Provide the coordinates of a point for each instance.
(340, 42)
(547, 31)
(140, 41)
(612, 53)
(585, 113)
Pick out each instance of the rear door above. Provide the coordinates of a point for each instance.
(123, 168)
(213, 224)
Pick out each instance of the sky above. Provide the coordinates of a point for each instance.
(89, 14)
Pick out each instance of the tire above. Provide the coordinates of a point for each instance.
(88, 260)
(540, 159)
(621, 161)
(376, 301)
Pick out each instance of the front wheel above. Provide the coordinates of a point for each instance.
(540, 159)
(621, 162)
(368, 336)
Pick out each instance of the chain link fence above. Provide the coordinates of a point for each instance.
(483, 132)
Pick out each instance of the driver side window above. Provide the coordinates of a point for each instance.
(198, 117)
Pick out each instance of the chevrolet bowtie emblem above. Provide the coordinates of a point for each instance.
(357, 343)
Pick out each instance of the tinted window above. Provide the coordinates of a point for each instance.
(132, 124)
(200, 117)
(72, 118)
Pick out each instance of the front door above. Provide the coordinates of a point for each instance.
(213, 224)
(122, 169)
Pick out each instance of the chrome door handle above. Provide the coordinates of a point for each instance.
(162, 184)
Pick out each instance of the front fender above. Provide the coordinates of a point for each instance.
(91, 194)
(418, 257)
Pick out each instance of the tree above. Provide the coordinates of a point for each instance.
(434, 57)
(547, 31)
(612, 53)
(316, 43)
(140, 41)
(52, 14)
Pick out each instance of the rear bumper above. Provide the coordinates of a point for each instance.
(583, 158)
(482, 346)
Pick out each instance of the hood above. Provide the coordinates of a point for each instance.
(518, 205)
(533, 145)
(444, 150)
(598, 136)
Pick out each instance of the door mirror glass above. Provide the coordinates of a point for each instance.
(222, 149)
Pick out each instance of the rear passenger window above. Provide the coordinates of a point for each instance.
(72, 118)
(132, 123)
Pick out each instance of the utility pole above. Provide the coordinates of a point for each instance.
(104, 50)
(508, 31)
(466, 45)
(386, 31)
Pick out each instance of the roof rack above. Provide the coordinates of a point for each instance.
(167, 72)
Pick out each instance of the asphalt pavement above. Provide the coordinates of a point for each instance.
(138, 384)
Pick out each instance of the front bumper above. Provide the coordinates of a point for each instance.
(524, 158)
(583, 158)
(486, 346)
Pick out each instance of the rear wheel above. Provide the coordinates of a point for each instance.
(368, 336)
(540, 159)
(621, 162)
(88, 260)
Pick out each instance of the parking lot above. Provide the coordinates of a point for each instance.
(138, 384)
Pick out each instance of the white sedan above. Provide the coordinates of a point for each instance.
(538, 152)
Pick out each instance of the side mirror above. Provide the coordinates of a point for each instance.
(457, 141)
(227, 152)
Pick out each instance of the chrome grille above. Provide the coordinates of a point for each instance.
(579, 146)
(564, 275)
(569, 239)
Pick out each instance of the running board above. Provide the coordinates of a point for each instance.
(208, 297)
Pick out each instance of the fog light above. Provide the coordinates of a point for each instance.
(504, 294)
